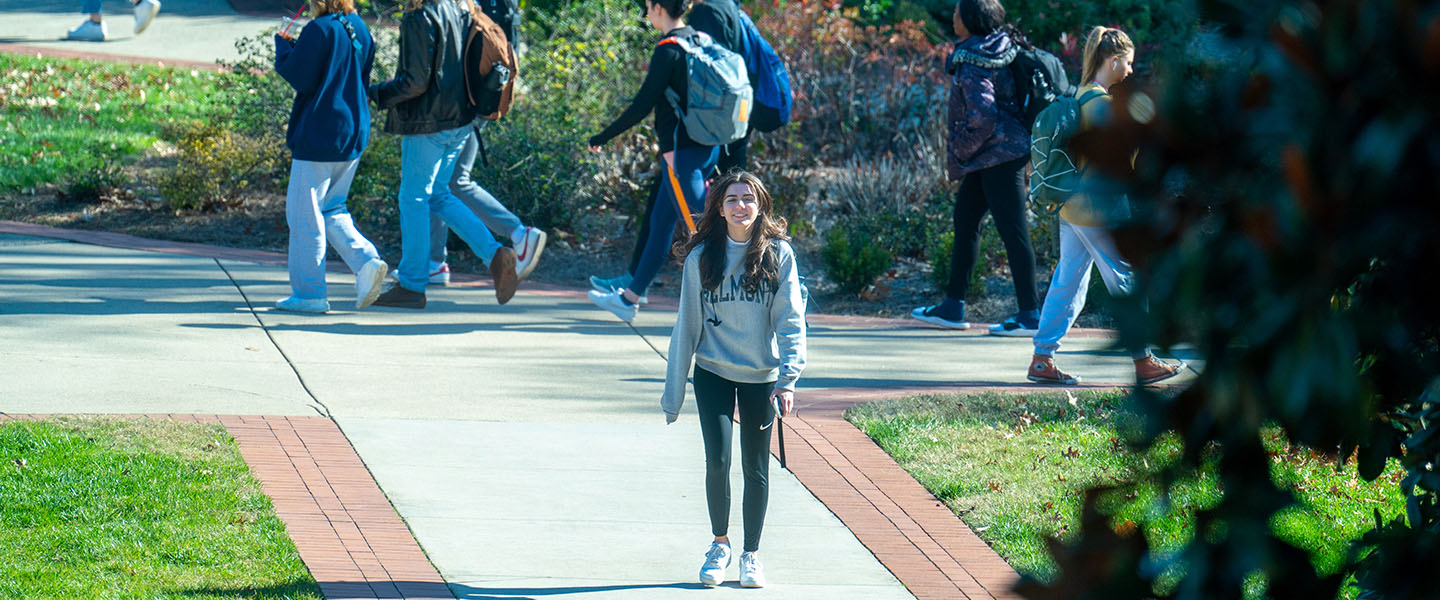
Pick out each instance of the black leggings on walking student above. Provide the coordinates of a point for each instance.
(1001, 191)
(716, 398)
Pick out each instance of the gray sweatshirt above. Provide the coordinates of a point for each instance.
(747, 338)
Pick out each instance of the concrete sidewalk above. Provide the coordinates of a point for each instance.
(523, 444)
(190, 31)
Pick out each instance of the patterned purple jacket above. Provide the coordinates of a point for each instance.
(983, 128)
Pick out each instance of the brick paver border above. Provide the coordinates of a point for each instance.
(347, 533)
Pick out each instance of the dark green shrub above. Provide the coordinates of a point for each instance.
(92, 186)
(1148, 22)
(853, 259)
(1284, 231)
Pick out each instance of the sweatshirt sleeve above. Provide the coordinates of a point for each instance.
(302, 63)
(652, 92)
(787, 317)
(684, 339)
(416, 64)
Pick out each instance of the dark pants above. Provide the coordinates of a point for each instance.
(716, 398)
(734, 155)
(999, 190)
(644, 234)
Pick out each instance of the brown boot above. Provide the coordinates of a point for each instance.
(502, 272)
(1043, 370)
(1150, 370)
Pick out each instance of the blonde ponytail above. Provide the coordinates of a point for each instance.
(1102, 44)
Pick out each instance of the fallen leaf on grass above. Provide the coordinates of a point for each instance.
(1071, 452)
(20, 462)
(994, 486)
(1125, 529)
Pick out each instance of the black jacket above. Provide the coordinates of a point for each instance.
(721, 20)
(427, 94)
(667, 71)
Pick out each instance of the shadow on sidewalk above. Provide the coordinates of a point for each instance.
(465, 592)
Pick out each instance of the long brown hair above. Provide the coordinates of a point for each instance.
(321, 8)
(1101, 44)
(761, 261)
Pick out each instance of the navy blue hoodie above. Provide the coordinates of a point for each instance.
(329, 70)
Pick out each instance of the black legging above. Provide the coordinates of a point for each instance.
(716, 398)
(1001, 191)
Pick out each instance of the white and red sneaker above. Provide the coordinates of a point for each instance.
(528, 246)
(439, 276)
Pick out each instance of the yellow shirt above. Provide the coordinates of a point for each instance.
(1081, 209)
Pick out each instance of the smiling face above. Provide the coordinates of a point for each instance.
(740, 209)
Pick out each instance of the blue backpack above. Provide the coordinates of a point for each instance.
(773, 97)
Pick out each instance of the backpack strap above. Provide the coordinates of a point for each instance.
(1091, 95)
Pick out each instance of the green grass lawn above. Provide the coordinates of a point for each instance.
(119, 508)
(63, 118)
(1013, 467)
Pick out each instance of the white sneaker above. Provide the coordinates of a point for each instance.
(527, 251)
(303, 305)
(615, 303)
(89, 31)
(438, 275)
(368, 282)
(752, 573)
(930, 314)
(614, 284)
(717, 559)
(145, 11)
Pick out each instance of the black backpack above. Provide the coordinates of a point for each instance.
(505, 13)
(1039, 79)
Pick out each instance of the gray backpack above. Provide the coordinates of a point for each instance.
(720, 97)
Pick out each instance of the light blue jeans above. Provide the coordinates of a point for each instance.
(427, 163)
(1080, 247)
(315, 211)
(499, 219)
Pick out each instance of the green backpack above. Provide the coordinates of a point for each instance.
(1054, 175)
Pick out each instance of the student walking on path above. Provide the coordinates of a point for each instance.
(528, 242)
(684, 161)
(329, 67)
(719, 19)
(429, 110)
(1085, 239)
(988, 150)
(94, 29)
(742, 321)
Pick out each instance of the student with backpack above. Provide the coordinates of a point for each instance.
(429, 109)
(742, 322)
(1085, 239)
(987, 153)
(770, 86)
(688, 139)
(528, 242)
(329, 67)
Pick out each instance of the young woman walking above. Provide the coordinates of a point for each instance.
(987, 153)
(742, 320)
(1084, 236)
(329, 67)
(684, 162)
